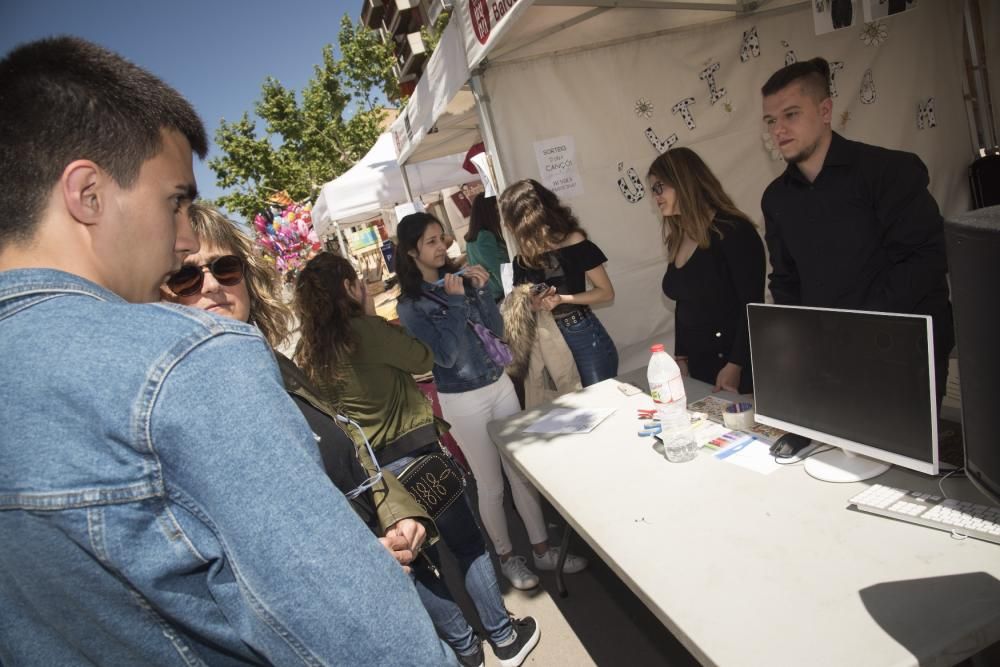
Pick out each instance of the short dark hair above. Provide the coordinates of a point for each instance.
(814, 75)
(65, 99)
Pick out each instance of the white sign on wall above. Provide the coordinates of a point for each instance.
(557, 166)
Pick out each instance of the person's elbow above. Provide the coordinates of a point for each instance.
(446, 359)
(607, 294)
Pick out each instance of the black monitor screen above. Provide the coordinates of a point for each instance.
(863, 377)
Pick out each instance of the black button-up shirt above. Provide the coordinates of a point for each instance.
(865, 235)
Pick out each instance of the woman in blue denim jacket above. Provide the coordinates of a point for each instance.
(437, 305)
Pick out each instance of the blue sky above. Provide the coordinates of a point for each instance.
(216, 53)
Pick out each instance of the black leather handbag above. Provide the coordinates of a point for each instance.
(434, 480)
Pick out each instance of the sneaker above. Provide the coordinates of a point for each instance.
(516, 570)
(474, 659)
(550, 559)
(526, 634)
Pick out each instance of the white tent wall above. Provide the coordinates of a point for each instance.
(591, 95)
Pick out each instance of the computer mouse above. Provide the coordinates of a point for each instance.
(789, 445)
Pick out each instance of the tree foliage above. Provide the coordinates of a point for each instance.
(309, 141)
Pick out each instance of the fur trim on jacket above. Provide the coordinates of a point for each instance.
(541, 356)
(519, 327)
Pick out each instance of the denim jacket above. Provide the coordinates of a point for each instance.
(460, 360)
(162, 500)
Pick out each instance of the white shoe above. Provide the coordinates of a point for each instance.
(516, 570)
(550, 559)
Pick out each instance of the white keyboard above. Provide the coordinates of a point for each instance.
(954, 516)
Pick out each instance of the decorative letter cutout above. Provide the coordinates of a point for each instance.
(714, 92)
(633, 190)
(661, 145)
(751, 45)
(682, 108)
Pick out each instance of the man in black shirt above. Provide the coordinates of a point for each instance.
(850, 225)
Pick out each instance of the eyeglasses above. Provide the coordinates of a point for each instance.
(657, 187)
(374, 479)
(228, 270)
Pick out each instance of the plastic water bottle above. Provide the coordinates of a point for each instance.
(667, 389)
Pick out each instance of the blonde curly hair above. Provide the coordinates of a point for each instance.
(267, 311)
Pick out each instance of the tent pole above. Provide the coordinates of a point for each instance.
(345, 250)
(406, 182)
(485, 114)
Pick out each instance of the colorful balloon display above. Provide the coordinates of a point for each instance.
(287, 238)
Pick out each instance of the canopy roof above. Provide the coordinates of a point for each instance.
(376, 182)
(441, 115)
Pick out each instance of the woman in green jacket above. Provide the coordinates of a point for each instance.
(365, 366)
(484, 243)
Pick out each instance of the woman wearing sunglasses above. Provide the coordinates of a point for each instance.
(716, 267)
(365, 366)
(228, 278)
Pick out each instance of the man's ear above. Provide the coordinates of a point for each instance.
(82, 190)
(826, 110)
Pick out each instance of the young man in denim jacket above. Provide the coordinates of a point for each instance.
(151, 512)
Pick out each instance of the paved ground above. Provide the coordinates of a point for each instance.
(601, 622)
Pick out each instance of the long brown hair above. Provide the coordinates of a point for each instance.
(540, 222)
(325, 309)
(485, 218)
(700, 198)
(267, 311)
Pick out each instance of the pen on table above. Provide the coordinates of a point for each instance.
(440, 281)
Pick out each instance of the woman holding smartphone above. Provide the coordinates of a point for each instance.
(556, 251)
(437, 306)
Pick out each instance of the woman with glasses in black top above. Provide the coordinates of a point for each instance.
(716, 267)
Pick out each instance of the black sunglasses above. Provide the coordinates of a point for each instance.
(227, 270)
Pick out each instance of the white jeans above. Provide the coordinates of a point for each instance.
(468, 413)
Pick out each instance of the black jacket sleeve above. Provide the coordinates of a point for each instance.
(784, 278)
(743, 252)
(912, 235)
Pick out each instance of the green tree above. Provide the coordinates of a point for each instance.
(307, 142)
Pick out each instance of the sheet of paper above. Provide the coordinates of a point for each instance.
(750, 453)
(556, 159)
(570, 420)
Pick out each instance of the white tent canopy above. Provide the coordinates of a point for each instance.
(376, 183)
(609, 76)
(440, 117)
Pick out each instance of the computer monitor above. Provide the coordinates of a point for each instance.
(860, 381)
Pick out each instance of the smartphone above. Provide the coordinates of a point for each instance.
(539, 288)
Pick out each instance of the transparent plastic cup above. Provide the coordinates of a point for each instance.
(680, 448)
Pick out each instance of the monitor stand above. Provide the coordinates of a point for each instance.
(837, 465)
